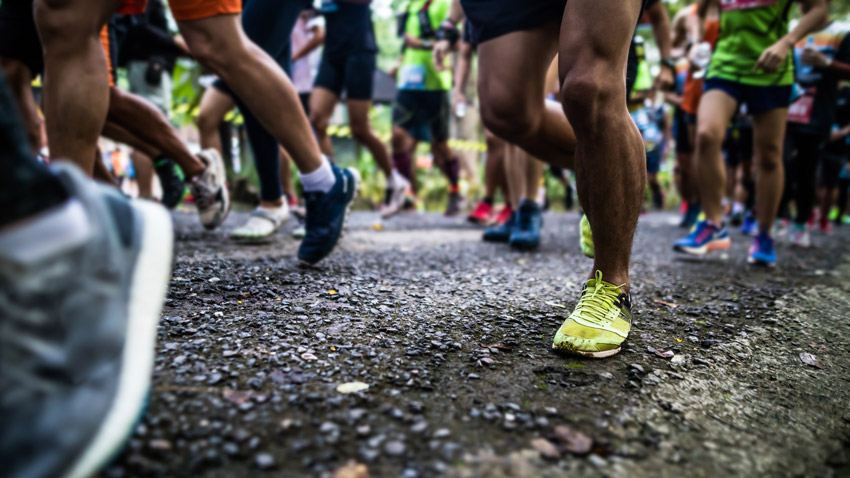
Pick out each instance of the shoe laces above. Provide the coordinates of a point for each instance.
(595, 302)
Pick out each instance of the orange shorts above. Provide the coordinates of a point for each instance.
(185, 10)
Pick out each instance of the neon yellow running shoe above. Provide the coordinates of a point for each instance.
(585, 237)
(600, 322)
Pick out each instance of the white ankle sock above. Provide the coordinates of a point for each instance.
(320, 180)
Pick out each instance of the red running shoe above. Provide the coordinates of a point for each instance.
(503, 216)
(482, 214)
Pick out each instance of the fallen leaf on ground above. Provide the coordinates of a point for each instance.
(352, 387)
(546, 448)
(352, 469)
(236, 396)
(810, 360)
(377, 227)
(664, 302)
(573, 441)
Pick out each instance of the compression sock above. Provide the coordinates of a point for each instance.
(404, 165)
(451, 168)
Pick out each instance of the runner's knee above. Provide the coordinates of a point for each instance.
(60, 26)
(587, 95)
(709, 136)
(360, 131)
(509, 115)
(320, 121)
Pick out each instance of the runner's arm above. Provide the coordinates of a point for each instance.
(679, 34)
(444, 46)
(660, 21)
(698, 26)
(816, 13)
(317, 40)
(464, 65)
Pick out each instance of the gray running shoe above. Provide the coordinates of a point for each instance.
(81, 292)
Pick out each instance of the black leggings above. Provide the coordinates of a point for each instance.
(802, 152)
(26, 186)
(269, 24)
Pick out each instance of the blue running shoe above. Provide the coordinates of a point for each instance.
(762, 253)
(526, 234)
(691, 216)
(501, 232)
(750, 226)
(326, 216)
(706, 237)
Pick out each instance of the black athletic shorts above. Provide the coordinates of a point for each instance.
(423, 114)
(353, 74)
(830, 170)
(680, 125)
(18, 35)
(494, 18)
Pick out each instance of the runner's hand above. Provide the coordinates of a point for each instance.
(441, 50)
(458, 98)
(664, 80)
(773, 57)
(814, 58)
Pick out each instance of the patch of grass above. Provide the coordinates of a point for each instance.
(700, 322)
(573, 365)
(542, 386)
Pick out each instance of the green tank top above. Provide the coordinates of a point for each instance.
(417, 70)
(747, 29)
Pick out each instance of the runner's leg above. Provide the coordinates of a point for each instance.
(76, 85)
(610, 169)
(511, 82)
(148, 123)
(220, 44)
(19, 77)
(358, 119)
(322, 104)
(768, 134)
(215, 104)
(715, 110)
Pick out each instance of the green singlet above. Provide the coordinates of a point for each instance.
(417, 70)
(747, 29)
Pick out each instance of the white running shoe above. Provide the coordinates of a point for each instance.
(263, 222)
(801, 238)
(396, 196)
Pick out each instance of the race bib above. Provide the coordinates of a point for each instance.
(726, 5)
(800, 110)
(413, 77)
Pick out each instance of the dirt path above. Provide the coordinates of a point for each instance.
(453, 338)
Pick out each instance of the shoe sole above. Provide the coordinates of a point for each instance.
(595, 355)
(758, 262)
(148, 288)
(356, 175)
(713, 246)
